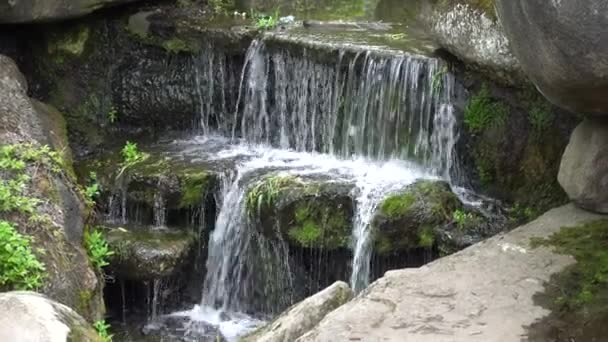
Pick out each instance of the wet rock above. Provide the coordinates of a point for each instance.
(563, 47)
(473, 34)
(409, 219)
(50, 10)
(302, 317)
(309, 212)
(181, 328)
(56, 224)
(30, 316)
(584, 169)
(147, 254)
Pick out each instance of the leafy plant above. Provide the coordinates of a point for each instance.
(266, 192)
(461, 217)
(97, 249)
(11, 198)
(91, 191)
(482, 111)
(131, 155)
(266, 22)
(103, 330)
(19, 267)
(112, 115)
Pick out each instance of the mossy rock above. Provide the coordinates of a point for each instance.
(408, 219)
(144, 254)
(309, 213)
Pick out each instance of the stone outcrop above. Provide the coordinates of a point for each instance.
(483, 293)
(57, 220)
(302, 317)
(563, 48)
(27, 11)
(584, 169)
(29, 316)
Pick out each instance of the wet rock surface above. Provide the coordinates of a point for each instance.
(149, 253)
(30, 316)
(450, 300)
(302, 316)
(51, 10)
(563, 48)
(584, 168)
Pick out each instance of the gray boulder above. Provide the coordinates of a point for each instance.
(302, 317)
(32, 317)
(25, 11)
(563, 47)
(583, 172)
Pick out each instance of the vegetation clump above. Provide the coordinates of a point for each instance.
(266, 22)
(483, 112)
(103, 330)
(266, 192)
(194, 188)
(97, 249)
(577, 296)
(131, 155)
(19, 267)
(316, 225)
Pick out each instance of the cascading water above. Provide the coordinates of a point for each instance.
(360, 118)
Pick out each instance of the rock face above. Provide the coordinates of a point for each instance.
(475, 37)
(148, 254)
(563, 47)
(584, 169)
(302, 317)
(56, 224)
(30, 317)
(483, 293)
(26, 11)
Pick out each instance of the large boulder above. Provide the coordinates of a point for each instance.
(54, 221)
(25, 11)
(302, 317)
(584, 169)
(31, 317)
(563, 47)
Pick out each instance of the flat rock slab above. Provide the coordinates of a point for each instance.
(483, 293)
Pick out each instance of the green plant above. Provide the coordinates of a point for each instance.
(91, 191)
(112, 115)
(266, 22)
(461, 217)
(97, 248)
(266, 192)
(482, 111)
(131, 155)
(396, 206)
(426, 237)
(103, 330)
(540, 115)
(19, 267)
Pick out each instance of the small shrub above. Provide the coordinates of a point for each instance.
(91, 191)
(131, 155)
(112, 115)
(97, 249)
(19, 267)
(103, 330)
(482, 112)
(266, 22)
(461, 217)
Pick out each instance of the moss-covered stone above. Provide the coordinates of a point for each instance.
(577, 296)
(309, 213)
(408, 220)
(144, 254)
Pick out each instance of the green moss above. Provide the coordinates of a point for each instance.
(483, 112)
(84, 300)
(319, 225)
(177, 45)
(577, 296)
(266, 192)
(193, 189)
(396, 206)
(71, 41)
(426, 237)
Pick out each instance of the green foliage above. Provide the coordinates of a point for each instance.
(396, 206)
(103, 330)
(540, 114)
(11, 198)
(131, 155)
(266, 192)
(520, 213)
(461, 217)
(586, 282)
(19, 267)
(483, 112)
(91, 191)
(112, 115)
(194, 189)
(426, 237)
(266, 22)
(317, 224)
(97, 248)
